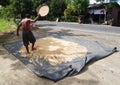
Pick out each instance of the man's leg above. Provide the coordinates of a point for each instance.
(27, 49)
(25, 37)
(32, 40)
(33, 46)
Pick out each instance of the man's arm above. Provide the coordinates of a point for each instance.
(36, 18)
(18, 28)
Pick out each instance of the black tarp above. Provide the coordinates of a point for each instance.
(96, 51)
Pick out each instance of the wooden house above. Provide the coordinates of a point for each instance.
(115, 15)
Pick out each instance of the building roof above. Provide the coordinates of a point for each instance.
(101, 6)
(96, 6)
(117, 5)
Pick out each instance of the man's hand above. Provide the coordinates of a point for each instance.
(36, 18)
(17, 34)
(38, 15)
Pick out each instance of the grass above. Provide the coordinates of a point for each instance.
(6, 25)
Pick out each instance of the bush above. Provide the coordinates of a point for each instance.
(6, 25)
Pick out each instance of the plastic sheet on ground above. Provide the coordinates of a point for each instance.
(68, 60)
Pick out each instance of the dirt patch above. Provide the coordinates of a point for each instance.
(4, 37)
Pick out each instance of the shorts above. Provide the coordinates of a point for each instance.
(28, 37)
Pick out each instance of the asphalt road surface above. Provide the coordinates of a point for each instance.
(86, 27)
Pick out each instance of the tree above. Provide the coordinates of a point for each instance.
(78, 7)
(4, 2)
(57, 8)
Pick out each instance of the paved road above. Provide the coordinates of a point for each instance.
(85, 27)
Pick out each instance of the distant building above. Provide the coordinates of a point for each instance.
(100, 15)
(97, 13)
(105, 1)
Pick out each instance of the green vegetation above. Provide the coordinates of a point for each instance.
(6, 25)
(65, 9)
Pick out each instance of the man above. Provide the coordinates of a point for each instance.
(27, 35)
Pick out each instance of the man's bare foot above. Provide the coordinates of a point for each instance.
(28, 52)
(33, 49)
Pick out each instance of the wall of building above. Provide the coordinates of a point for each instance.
(115, 16)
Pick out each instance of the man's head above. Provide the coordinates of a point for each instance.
(27, 15)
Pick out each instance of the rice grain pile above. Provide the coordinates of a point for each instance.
(55, 50)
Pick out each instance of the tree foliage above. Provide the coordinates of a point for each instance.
(4, 2)
(58, 8)
(78, 6)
